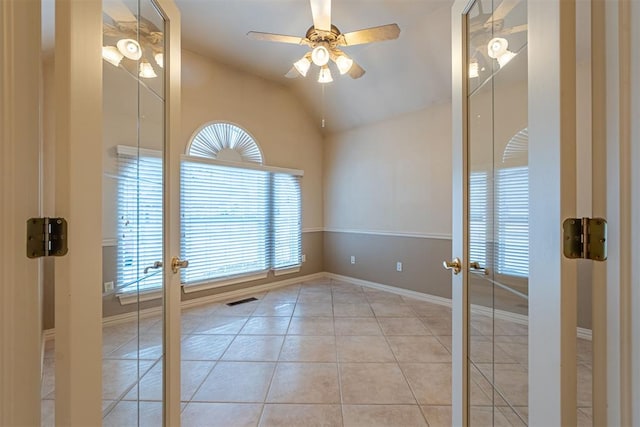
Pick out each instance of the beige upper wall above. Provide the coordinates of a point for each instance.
(392, 176)
(269, 112)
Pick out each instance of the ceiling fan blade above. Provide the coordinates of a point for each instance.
(370, 35)
(356, 71)
(270, 37)
(512, 30)
(292, 73)
(502, 11)
(321, 11)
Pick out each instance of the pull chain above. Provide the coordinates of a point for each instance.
(323, 104)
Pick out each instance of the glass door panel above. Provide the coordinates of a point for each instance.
(133, 120)
(498, 212)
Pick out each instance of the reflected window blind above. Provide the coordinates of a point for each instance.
(478, 218)
(512, 203)
(139, 222)
(287, 231)
(225, 221)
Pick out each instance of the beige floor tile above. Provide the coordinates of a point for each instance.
(190, 322)
(374, 383)
(236, 382)
(266, 326)
(315, 298)
(119, 375)
(221, 415)
(513, 418)
(483, 350)
(363, 349)
(392, 309)
(418, 349)
(192, 376)
(245, 309)
(357, 326)
(438, 325)
(513, 382)
(299, 348)
(146, 346)
(344, 309)
(438, 416)
(133, 414)
(221, 325)
(584, 385)
(584, 350)
(311, 326)
(427, 309)
(256, 348)
(382, 416)
(487, 416)
(305, 383)
(430, 382)
(301, 415)
(205, 347)
(342, 297)
(585, 417)
(516, 347)
(505, 327)
(382, 297)
(313, 309)
(48, 413)
(204, 310)
(402, 326)
(48, 383)
(274, 308)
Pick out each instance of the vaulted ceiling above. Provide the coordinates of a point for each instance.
(403, 75)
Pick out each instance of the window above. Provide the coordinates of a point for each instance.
(238, 219)
(139, 220)
(512, 202)
(478, 218)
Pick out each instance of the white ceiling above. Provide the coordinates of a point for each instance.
(403, 75)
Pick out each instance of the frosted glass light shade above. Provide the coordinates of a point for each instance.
(159, 57)
(130, 49)
(325, 75)
(112, 55)
(302, 65)
(505, 58)
(473, 70)
(146, 70)
(344, 64)
(320, 56)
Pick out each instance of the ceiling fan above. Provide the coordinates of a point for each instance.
(325, 41)
(488, 36)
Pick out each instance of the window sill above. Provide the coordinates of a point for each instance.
(288, 270)
(201, 286)
(133, 297)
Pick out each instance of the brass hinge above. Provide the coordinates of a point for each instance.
(585, 238)
(46, 237)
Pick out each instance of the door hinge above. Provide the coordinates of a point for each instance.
(46, 237)
(585, 238)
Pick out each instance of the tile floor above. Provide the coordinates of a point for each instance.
(321, 353)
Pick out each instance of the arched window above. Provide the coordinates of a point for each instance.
(239, 218)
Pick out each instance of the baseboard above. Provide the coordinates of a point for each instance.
(49, 334)
(520, 319)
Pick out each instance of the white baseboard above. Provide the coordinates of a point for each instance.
(520, 319)
(499, 314)
(49, 334)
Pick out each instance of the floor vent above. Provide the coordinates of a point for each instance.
(241, 301)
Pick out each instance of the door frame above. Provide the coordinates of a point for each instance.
(20, 183)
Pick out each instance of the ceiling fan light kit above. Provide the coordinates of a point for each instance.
(325, 40)
(146, 70)
(130, 49)
(112, 55)
(497, 48)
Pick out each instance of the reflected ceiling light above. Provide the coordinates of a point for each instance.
(159, 57)
(112, 55)
(325, 75)
(146, 70)
(497, 49)
(303, 65)
(473, 70)
(344, 64)
(320, 55)
(130, 49)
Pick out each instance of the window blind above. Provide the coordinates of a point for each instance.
(225, 221)
(139, 222)
(512, 203)
(287, 232)
(478, 218)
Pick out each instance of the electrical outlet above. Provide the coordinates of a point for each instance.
(304, 258)
(353, 259)
(108, 287)
(398, 266)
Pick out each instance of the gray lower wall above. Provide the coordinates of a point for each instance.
(376, 258)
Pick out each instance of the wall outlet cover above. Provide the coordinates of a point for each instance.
(399, 266)
(108, 287)
(304, 258)
(353, 259)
